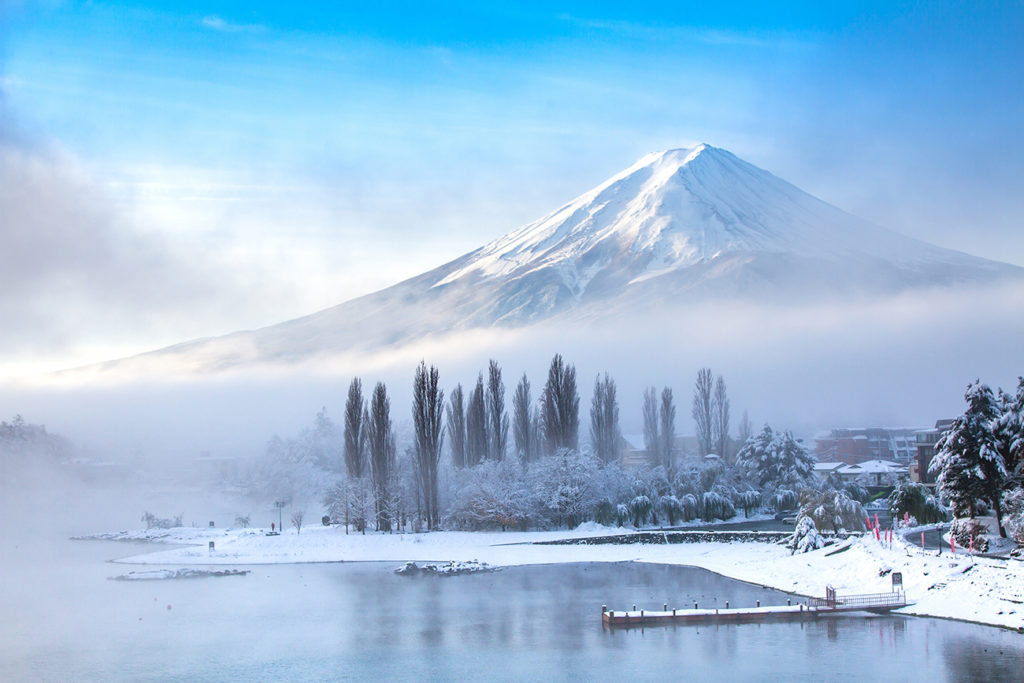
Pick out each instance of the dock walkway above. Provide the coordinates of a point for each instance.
(808, 609)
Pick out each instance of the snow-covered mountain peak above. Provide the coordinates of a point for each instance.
(674, 209)
(678, 228)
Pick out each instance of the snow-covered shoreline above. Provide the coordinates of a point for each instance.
(977, 589)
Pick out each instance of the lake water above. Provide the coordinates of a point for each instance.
(66, 621)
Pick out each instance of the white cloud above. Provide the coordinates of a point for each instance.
(217, 23)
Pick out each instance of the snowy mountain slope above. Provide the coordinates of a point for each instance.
(677, 226)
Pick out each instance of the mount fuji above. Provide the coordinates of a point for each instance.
(678, 227)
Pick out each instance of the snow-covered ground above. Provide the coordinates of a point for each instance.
(988, 591)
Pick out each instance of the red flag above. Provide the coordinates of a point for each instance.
(952, 544)
(868, 520)
(922, 540)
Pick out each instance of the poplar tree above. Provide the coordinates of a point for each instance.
(720, 419)
(381, 441)
(522, 420)
(456, 424)
(604, 420)
(561, 407)
(652, 442)
(476, 425)
(668, 428)
(355, 435)
(427, 410)
(497, 419)
(702, 409)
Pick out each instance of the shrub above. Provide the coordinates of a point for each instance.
(805, 537)
(965, 530)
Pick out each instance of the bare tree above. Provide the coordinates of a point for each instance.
(427, 408)
(297, 517)
(560, 413)
(355, 434)
(746, 430)
(457, 426)
(702, 409)
(476, 424)
(381, 441)
(497, 419)
(522, 420)
(604, 420)
(652, 441)
(668, 428)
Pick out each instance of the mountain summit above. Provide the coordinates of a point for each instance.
(674, 210)
(676, 227)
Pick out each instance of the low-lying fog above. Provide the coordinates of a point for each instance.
(903, 361)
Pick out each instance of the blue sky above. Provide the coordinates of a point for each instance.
(263, 161)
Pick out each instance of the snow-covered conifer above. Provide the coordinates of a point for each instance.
(967, 458)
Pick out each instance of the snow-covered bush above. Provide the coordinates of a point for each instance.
(915, 500)
(748, 500)
(1013, 514)
(565, 483)
(832, 510)
(906, 522)
(495, 494)
(670, 509)
(714, 506)
(154, 522)
(640, 510)
(689, 506)
(968, 532)
(621, 514)
(785, 499)
(604, 513)
(777, 459)
(805, 537)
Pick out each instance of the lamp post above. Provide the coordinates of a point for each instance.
(280, 506)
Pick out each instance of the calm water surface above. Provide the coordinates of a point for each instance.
(66, 621)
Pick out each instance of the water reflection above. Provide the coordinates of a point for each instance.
(339, 621)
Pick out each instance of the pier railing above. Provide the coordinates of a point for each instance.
(865, 600)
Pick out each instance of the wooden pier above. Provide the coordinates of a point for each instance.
(810, 608)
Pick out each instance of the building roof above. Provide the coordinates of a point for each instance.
(874, 467)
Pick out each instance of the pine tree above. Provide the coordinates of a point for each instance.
(777, 460)
(756, 455)
(967, 460)
(1009, 431)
